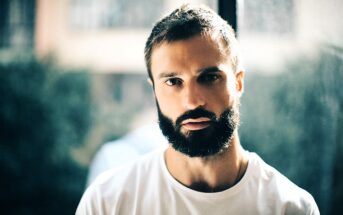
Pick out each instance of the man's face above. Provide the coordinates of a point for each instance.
(197, 94)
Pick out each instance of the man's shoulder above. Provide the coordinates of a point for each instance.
(271, 176)
(142, 165)
(119, 184)
(280, 188)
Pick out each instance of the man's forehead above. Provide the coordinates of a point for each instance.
(196, 43)
(202, 51)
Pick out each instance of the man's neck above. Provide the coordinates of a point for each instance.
(210, 174)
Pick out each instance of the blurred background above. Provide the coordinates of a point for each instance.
(72, 77)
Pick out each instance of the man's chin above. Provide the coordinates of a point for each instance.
(200, 141)
(199, 153)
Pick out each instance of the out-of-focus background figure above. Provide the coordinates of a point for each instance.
(126, 149)
(74, 98)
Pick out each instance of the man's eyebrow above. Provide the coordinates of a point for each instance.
(211, 69)
(167, 75)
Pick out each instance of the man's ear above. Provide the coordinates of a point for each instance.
(150, 82)
(240, 82)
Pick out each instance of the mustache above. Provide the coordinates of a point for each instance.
(196, 113)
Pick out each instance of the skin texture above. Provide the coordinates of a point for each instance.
(193, 73)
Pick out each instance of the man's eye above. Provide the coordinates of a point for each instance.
(174, 81)
(209, 78)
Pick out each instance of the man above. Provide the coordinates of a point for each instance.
(195, 70)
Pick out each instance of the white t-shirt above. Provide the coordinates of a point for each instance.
(146, 187)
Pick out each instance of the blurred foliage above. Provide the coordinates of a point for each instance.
(294, 119)
(43, 112)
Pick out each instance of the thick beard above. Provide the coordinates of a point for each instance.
(206, 142)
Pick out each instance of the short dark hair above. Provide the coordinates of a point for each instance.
(188, 21)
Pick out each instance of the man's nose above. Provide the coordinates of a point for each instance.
(193, 97)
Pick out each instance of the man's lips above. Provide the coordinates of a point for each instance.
(196, 124)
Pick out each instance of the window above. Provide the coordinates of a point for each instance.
(104, 14)
(16, 24)
(272, 16)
